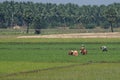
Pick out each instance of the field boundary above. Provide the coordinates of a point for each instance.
(53, 68)
(76, 35)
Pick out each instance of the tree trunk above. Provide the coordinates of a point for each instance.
(27, 29)
(111, 27)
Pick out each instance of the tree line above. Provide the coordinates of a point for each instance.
(48, 15)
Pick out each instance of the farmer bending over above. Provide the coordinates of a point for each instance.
(83, 50)
(103, 48)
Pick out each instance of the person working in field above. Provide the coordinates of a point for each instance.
(70, 52)
(83, 50)
(103, 48)
(73, 52)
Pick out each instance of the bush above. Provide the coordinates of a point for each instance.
(90, 26)
(37, 31)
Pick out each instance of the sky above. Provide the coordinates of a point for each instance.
(79, 2)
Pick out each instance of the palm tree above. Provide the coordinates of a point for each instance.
(111, 16)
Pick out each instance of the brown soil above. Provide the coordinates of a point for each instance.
(76, 35)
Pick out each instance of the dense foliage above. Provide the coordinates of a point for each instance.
(48, 15)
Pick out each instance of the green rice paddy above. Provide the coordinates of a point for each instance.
(48, 59)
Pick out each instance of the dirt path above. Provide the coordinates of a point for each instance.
(77, 35)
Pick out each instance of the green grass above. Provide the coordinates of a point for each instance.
(54, 52)
(14, 39)
(24, 55)
(9, 67)
(99, 71)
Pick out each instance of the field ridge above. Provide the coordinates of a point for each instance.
(53, 68)
(76, 35)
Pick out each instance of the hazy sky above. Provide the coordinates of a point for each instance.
(79, 2)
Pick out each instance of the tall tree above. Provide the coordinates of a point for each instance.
(111, 16)
(28, 15)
